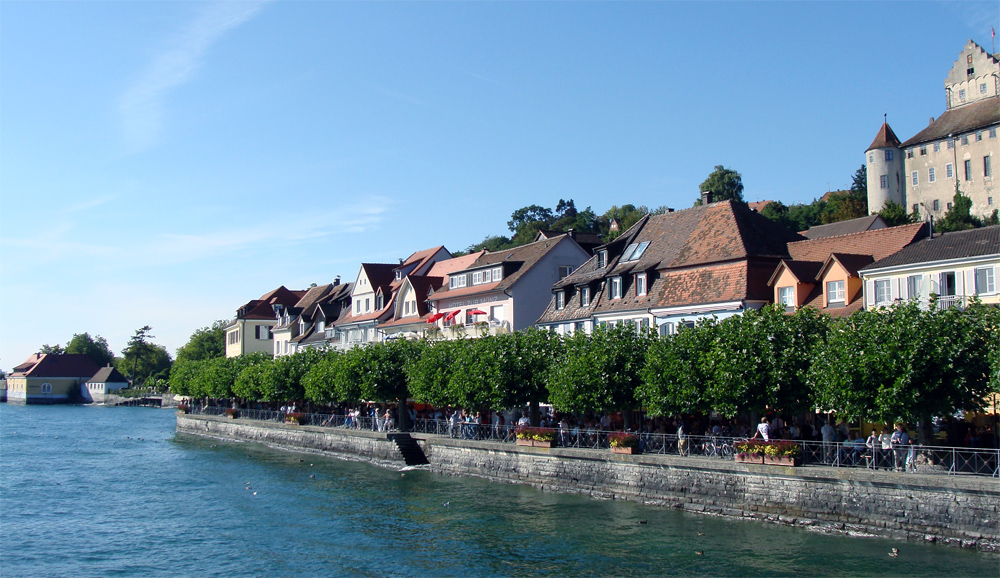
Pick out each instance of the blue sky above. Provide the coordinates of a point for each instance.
(163, 163)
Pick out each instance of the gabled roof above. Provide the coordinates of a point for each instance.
(803, 271)
(448, 266)
(884, 139)
(108, 375)
(416, 262)
(57, 365)
(959, 120)
(313, 295)
(263, 308)
(516, 261)
(380, 275)
(877, 243)
(873, 221)
(850, 263)
(956, 245)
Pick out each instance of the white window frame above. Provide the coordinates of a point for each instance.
(615, 288)
(916, 180)
(640, 284)
(560, 299)
(883, 181)
(888, 155)
(602, 259)
(584, 296)
(458, 281)
(914, 286)
(836, 292)
(949, 171)
(786, 296)
(883, 291)
(931, 177)
(497, 274)
(989, 285)
(564, 271)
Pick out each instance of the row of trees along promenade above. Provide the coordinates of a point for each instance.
(889, 364)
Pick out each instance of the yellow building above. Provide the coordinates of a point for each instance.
(50, 378)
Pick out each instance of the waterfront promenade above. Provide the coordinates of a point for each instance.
(958, 510)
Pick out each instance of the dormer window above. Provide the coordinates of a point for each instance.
(457, 281)
(602, 259)
(615, 288)
(560, 299)
(835, 295)
(584, 296)
(497, 274)
(786, 296)
(640, 284)
(379, 301)
(399, 274)
(634, 251)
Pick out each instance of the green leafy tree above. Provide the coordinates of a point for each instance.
(254, 377)
(96, 348)
(894, 214)
(759, 360)
(382, 377)
(843, 206)
(959, 217)
(183, 375)
(724, 184)
(905, 364)
(320, 383)
(55, 349)
(600, 371)
(428, 374)
(205, 343)
(490, 243)
(676, 371)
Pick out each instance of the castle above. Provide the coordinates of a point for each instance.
(957, 147)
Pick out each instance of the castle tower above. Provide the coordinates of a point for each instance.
(886, 174)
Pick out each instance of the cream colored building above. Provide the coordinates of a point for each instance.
(50, 378)
(251, 330)
(959, 147)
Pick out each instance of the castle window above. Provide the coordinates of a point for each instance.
(948, 206)
(951, 143)
(987, 171)
(965, 139)
(884, 181)
(993, 132)
(937, 205)
(937, 147)
(968, 170)
(916, 208)
(923, 151)
(982, 88)
(949, 171)
(871, 157)
(961, 95)
(888, 155)
(979, 135)
(914, 178)
(909, 154)
(930, 175)
(989, 201)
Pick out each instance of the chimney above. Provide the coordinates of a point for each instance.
(571, 233)
(706, 198)
(336, 281)
(669, 210)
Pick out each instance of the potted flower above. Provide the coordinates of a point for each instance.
(782, 453)
(184, 408)
(232, 413)
(536, 437)
(623, 443)
(749, 451)
(296, 418)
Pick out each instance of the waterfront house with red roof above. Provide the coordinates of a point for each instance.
(672, 269)
(823, 272)
(250, 331)
(294, 323)
(47, 378)
(504, 290)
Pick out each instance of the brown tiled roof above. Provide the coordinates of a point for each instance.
(263, 308)
(108, 375)
(380, 275)
(759, 205)
(418, 260)
(959, 120)
(447, 266)
(313, 295)
(884, 139)
(878, 243)
(446, 293)
(955, 245)
(873, 221)
(804, 271)
(850, 263)
(723, 251)
(58, 365)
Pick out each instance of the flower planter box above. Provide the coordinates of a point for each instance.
(748, 458)
(534, 443)
(782, 461)
(623, 450)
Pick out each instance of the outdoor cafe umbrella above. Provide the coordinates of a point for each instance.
(477, 312)
(435, 317)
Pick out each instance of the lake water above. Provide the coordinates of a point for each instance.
(94, 491)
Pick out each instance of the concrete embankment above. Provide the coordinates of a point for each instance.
(954, 510)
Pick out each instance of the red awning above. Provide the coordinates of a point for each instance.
(435, 317)
(452, 315)
(477, 312)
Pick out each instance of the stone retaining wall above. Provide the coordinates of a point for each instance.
(955, 510)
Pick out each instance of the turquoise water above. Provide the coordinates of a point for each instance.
(93, 491)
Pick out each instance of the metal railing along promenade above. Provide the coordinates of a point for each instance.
(910, 458)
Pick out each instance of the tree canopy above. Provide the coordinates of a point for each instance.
(724, 184)
(96, 348)
(205, 343)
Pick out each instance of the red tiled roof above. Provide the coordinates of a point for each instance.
(445, 293)
(884, 139)
(879, 243)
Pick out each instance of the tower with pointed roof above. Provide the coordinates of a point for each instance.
(886, 171)
(959, 149)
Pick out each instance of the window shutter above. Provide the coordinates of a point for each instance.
(869, 293)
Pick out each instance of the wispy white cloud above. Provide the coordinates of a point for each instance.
(142, 104)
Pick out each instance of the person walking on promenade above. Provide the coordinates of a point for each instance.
(899, 440)
(885, 442)
(829, 434)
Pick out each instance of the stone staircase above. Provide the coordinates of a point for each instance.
(409, 448)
